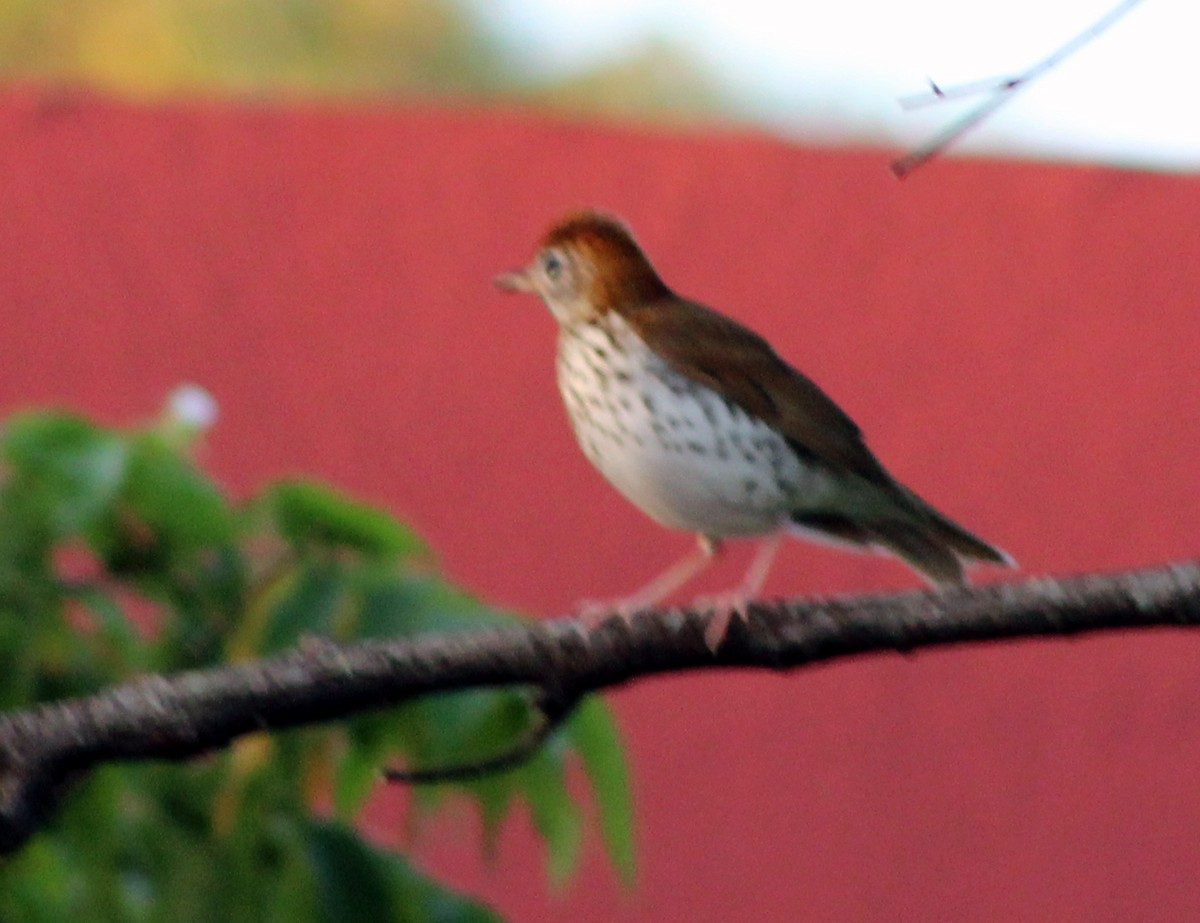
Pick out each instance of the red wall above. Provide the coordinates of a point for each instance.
(1019, 341)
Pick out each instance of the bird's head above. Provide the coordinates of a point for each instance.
(587, 265)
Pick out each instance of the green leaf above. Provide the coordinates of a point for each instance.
(167, 513)
(369, 741)
(230, 837)
(36, 885)
(423, 899)
(555, 814)
(461, 727)
(307, 607)
(351, 883)
(118, 639)
(395, 604)
(311, 514)
(64, 470)
(496, 795)
(356, 881)
(593, 733)
(181, 506)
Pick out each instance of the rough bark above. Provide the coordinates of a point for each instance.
(43, 749)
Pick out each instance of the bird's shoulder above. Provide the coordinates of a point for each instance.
(717, 351)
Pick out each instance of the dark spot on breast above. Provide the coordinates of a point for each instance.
(600, 375)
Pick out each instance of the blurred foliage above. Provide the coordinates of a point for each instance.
(119, 556)
(654, 77)
(325, 48)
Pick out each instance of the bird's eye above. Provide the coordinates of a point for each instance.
(552, 265)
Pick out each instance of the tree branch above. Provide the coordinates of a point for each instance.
(1001, 92)
(43, 749)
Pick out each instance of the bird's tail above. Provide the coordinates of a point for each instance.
(933, 544)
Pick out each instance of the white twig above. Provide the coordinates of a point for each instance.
(1002, 91)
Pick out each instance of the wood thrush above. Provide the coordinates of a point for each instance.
(697, 421)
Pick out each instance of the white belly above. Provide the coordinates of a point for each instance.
(675, 448)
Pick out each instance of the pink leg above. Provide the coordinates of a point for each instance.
(727, 605)
(663, 585)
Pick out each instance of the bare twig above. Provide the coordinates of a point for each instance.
(1002, 91)
(43, 749)
(940, 94)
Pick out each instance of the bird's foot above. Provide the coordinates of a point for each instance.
(725, 608)
(595, 612)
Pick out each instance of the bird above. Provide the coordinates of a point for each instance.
(696, 420)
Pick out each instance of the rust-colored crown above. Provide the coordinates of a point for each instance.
(621, 273)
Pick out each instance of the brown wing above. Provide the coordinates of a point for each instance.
(736, 362)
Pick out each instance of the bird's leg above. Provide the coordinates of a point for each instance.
(736, 601)
(706, 551)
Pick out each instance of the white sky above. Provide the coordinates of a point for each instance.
(833, 69)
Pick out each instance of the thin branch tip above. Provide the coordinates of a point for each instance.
(999, 92)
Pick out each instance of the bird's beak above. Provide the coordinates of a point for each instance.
(515, 281)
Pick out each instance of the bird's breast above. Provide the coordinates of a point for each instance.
(676, 448)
